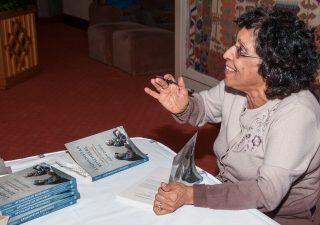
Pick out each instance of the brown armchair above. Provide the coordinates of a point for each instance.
(104, 14)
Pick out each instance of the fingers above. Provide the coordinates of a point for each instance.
(165, 187)
(160, 207)
(158, 83)
(169, 77)
(165, 202)
(161, 85)
(172, 96)
(181, 82)
(151, 93)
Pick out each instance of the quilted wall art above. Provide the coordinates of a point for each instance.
(211, 28)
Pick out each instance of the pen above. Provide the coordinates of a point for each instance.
(172, 82)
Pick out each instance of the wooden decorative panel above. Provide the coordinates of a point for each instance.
(18, 53)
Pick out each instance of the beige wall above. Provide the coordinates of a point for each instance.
(76, 8)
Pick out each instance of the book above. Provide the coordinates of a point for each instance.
(39, 202)
(37, 197)
(143, 192)
(183, 167)
(32, 183)
(4, 170)
(44, 210)
(104, 154)
(183, 170)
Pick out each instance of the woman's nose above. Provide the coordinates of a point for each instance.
(230, 53)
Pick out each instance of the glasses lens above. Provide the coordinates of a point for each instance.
(234, 39)
(237, 51)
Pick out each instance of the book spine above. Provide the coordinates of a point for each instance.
(15, 212)
(42, 212)
(56, 189)
(40, 198)
(120, 169)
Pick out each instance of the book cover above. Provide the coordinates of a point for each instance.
(143, 192)
(105, 153)
(31, 183)
(42, 211)
(36, 203)
(183, 167)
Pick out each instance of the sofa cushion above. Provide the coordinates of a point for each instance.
(100, 39)
(143, 50)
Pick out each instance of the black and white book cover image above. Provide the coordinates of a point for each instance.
(32, 183)
(183, 166)
(104, 154)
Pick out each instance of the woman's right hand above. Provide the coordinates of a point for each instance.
(173, 97)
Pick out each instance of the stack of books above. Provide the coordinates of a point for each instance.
(36, 191)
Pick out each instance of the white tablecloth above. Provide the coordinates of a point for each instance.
(98, 204)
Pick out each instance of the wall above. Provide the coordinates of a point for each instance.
(192, 78)
(78, 8)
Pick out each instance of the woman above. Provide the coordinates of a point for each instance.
(268, 145)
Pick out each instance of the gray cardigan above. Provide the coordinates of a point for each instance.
(268, 157)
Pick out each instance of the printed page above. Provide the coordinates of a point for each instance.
(143, 192)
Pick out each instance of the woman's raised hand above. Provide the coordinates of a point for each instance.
(173, 97)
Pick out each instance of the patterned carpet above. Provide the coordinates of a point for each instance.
(74, 97)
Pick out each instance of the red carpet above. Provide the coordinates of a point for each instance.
(74, 97)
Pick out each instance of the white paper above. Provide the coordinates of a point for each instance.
(143, 192)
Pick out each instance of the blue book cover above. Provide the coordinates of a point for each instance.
(42, 211)
(33, 204)
(38, 198)
(105, 153)
(31, 183)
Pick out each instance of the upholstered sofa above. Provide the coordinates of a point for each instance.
(132, 47)
(162, 11)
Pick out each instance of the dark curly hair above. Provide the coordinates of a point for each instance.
(286, 47)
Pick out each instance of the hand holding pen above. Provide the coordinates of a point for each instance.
(172, 82)
(172, 95)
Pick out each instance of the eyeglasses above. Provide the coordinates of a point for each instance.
(240, 53)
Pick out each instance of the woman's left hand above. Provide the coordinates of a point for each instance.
(171, 197)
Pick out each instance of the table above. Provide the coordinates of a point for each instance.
(98, 204)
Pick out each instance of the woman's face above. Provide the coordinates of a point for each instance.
(242, 73)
